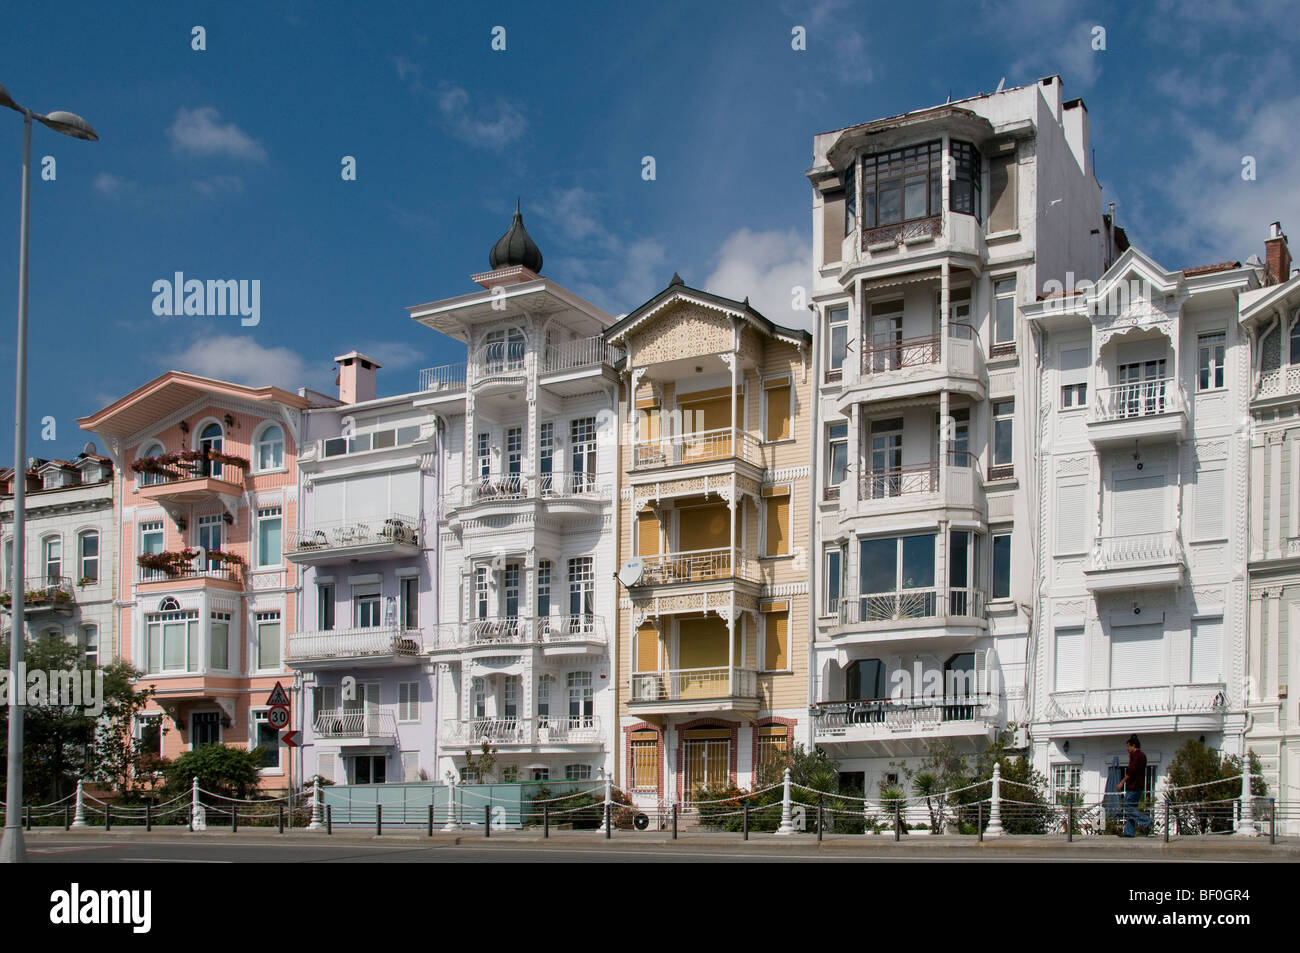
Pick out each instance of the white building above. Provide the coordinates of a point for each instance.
(925, 523)
(71, 552)
(1144, 382)
(366, 543)
(528, 471)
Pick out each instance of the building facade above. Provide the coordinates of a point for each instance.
(71, 552)
(931, 231)
(1269, 316)
(713, 528)
(1144, 382)
(525, 526)
(208, 488)
(366, 548)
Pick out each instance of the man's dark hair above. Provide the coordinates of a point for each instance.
(1133, 740)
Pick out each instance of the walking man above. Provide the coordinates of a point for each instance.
(1133, 785)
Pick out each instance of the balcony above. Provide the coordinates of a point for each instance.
(574, 494)
(380, 644)
(695, 566)
(693, 690)
(896, 719)
(42, 594)
(887, 238)
(555, 634)
(498, 367)
(910, 614)
(191, 476)
(444, 378)
(917, 486)
(511, 731)
(347, 540)
(184, 569)
(356, 727)
(899, 368)
(1141, 560)
(1282, 382)
(704, 447)
(1150, 411)
(1159, 707)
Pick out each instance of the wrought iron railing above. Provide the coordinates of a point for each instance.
(362, 642)
(346, 534)
(903, 604)
(884, 356)
(584, 353)
(443, 377)
(354, 723)
(1136, 399)
(897, 715)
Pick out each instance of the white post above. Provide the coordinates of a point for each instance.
(79, 818)
(608, 809)
(995, 808)
(316, 809)
(197, 819)
(452, 813)
(1246, 828)
(787, 825)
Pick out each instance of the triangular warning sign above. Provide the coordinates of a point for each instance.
(278, 696)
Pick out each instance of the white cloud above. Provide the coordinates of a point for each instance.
(112, 186)
(199, 132)
(766, 267)
(832, 27)
(491, 126)
(241, 360)
(220, 185)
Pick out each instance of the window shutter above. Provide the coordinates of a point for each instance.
(1139, 506)
(776, 644)
(327, 765)
(778, 525)
(832, 226)
(1002, 192)
(1211, 491)
(1071, 517)
(1135, 656)
(647, 649)
(647, 533)
(1207, 650)
(778, 412)
(1069, 660)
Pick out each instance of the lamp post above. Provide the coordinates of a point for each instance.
(11, 847)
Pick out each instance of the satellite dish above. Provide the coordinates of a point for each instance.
(631, 572)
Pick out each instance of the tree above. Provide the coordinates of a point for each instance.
(942, 770)
(1205, 786)
(116, 755)
(221, 769)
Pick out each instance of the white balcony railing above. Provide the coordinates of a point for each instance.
(1204, 698)
(593, 486)
(495, 731)
(694, 683)
(889, 716)
(443, 377)
(1136, 399)
(703, 565)
(363, 642)
(1280, 382)
(499, 361)
(904, 604)
(491, 487)
(348, 534)
(519, 630)
(354, 723)
(1141, 549)
(584, 353)
(702, 447)
(568, 729)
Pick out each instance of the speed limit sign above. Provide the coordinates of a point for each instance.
(278, 717)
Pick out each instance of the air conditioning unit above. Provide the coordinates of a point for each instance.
(1020, 739)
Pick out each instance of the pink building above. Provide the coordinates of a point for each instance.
(208, 494)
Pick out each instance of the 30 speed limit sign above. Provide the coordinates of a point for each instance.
(278, 717)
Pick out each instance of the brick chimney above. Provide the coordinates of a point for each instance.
(356, 378)
(1277, 256)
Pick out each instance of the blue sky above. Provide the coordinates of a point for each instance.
(226, 163)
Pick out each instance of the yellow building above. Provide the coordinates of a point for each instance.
(713, 527)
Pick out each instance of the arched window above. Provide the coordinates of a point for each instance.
(88, 556)
(153, 449)
(269, 453)
(504, 349)
(209, 441)
(169, 605)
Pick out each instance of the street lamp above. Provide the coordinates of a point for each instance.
(12, 850)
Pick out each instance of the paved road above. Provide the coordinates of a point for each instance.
(170, 848)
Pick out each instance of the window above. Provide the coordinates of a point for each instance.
(864, 680)
(577, 772)
(645, 760)
(366, 609)
(1207, 651)
(219, 640)
(777, 502)
(582, 438)
(1210, 347)
(53, 549)
(268, 536)
(205, 729)
(1295, 337)
(850, 199)
(581, 710)
(539, 774)
(777, 396)
(837, 322)
(371, 769)
(1073, 374)
(172, 641)
(325, 606)
(149, 734)
(1142, 391)
(964, 573)
(408, 701)
(776, 641)
(582, 594)
(410, 592)
(1004, 314)
(1066, 781)
(269, 452)
(268, 640)
(546, 455)
(88, 553)
(411, 766)
(481, 592)
(510, 698)
(514, 459)
(484, 456)
(480, 697)
(266, 737)
(510, 591)
(890, 569)
(1003, 414)
(837, 458)
(1002, 191)
(833, 582)
(148, 479)
(504, 350)
(9, 563)
(544, 588)
(1208, 521)
(90, 645)
(835, 224)
(151, 543)
(208, 536)
(773, 746)
(964, 191)
(544, 685)
(1001, 565)
(901, 185)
